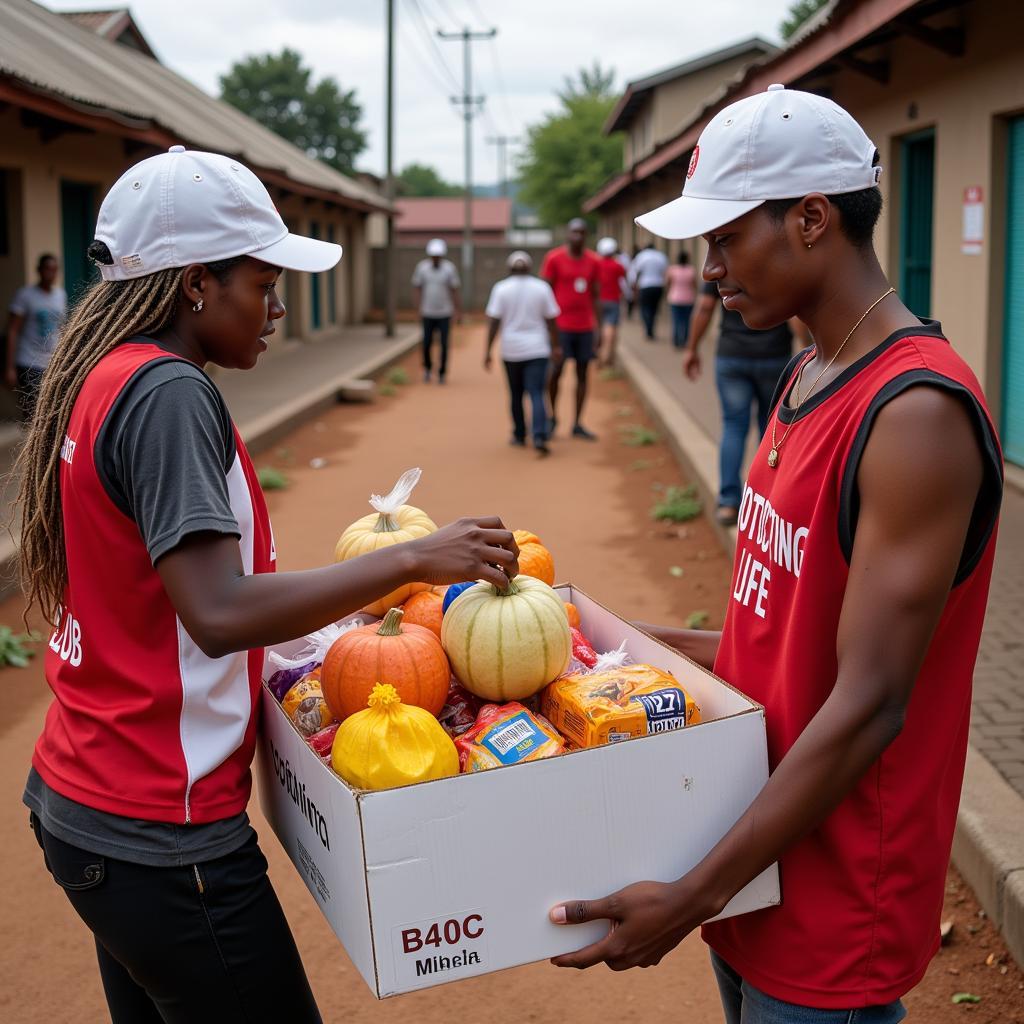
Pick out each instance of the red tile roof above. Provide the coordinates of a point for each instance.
(443, 214)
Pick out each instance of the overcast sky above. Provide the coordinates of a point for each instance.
(538, 43)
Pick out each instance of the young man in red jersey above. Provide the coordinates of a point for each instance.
(866, 536)
(572, 272)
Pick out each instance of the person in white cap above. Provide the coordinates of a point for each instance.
(647, 278)
(437, 295)
(145, 542)
(865, 546)
(523, 309)
(611, 288)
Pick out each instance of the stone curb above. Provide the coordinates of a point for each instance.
(988, 845)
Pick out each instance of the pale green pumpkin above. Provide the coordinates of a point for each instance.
(507, 645)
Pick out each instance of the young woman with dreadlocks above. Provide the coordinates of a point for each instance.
(146, 543)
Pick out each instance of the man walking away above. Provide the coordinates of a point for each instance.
(748, 365)
(682, 291)
(37, 312)
(647, 276)
(523, 308)
(612, 285)
(435, 283)
(572, 272)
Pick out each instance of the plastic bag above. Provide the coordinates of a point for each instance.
(304, 704)
(285, 678)
(583, 654)
(614, 702)
(388, 504)
(459, 711)
(506, 734)
(312, 655)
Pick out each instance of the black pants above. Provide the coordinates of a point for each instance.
(441, 325)
(528, 377)
(29, 380)
(182, 945)
(650, 299)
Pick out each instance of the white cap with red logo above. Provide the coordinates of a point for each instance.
(186, 206)
(778, 144)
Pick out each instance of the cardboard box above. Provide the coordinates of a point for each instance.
(454, 878)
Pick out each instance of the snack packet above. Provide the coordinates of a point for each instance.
(506, 734)
(583, 654)
(616, 702)
(304, 704)
(459, 711)
(321, 742)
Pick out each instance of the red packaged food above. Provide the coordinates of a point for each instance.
(459, 711)
(322, 741)
(582, 650)
(506, 734)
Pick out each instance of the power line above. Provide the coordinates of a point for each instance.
(417, 7)
(427, 65)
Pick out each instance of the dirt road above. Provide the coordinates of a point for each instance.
(590, 504)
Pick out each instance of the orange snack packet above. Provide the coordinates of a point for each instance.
(506, 734)
(617, 703)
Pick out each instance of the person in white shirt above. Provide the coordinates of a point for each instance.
(647, 276)
(436, 292)
(523, 309)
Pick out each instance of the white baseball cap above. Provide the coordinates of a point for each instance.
(183, 207)
(607, 246)
(519, 256)
(778, 144)
(437, 247)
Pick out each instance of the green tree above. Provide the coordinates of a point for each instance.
(567, 157)
(423, 180)
(319, 117)
(799, 12)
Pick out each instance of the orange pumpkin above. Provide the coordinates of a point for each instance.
(408, 657)
(534, 559)
(572, 613)
(425, 609)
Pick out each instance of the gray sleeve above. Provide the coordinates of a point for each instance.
(164, 452)
(453, 276)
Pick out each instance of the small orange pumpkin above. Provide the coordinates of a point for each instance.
(408, 657)
(425, 609)
(534, 559)
(573, 614)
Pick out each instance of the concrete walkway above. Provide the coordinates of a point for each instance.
(293, 382)
(989, 845)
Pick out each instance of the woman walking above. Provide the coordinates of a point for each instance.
(682, 291)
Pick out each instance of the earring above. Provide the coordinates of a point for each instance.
(808, 246)
(198, 307)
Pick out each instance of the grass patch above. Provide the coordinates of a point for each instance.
(271, 479)
(637, 465)
(679, 505)
(397, 377)
(637, 436)
(387, 390)
(14, 647)
(696, 620)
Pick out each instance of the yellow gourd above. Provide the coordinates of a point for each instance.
(392, 744)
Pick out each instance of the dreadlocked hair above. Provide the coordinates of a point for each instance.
(109, 313)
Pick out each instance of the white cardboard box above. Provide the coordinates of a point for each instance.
(454, 878)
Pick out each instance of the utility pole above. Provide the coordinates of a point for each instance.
(389, 180)
(470, 105)
(502, 142)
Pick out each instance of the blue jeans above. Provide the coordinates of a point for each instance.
(744, 1004)
(742, 381)
(528, 377)
(680, 324)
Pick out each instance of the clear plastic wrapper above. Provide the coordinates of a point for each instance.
(460, 710)
(507, 734)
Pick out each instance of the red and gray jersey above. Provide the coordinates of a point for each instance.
(144, 724)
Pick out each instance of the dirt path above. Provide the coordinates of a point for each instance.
(590, 504)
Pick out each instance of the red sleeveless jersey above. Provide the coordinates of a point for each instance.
(862, 894)
(143, 724)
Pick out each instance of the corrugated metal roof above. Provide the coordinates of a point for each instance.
(98, 21)
(56, 56)
(444, 214)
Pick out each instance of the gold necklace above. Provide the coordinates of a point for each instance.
(773, 455)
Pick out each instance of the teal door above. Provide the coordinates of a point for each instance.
(1013, 318)
(78, 228)
(315, 297)
(917, 198)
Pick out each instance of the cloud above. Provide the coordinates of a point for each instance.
(539, 42)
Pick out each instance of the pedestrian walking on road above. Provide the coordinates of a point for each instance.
(437, 294)
(572, 271)
(522, 309)
(748, 365)
(682, 292)
(611, 290)
(36, 314)
(145, 542)
(865, 547)
(647, 278)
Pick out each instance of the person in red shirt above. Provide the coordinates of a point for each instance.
(612, 285)
(866, 538)
(146, 543)
(572, 271)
